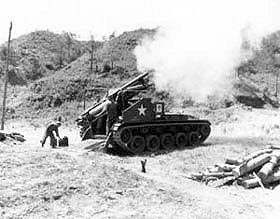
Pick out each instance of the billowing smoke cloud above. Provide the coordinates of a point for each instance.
(197, 51)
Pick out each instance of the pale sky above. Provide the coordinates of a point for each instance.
(83, 17)
(102, 17)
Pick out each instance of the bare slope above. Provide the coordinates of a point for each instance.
(76, 183)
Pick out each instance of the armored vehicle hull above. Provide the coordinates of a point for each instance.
(153, 130)
(167, 135)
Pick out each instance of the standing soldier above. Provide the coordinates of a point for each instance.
(110, 107)
(51, 128)
(112, 114)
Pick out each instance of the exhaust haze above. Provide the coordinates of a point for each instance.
(196, 52)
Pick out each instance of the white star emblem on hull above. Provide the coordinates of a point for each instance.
(142, 110)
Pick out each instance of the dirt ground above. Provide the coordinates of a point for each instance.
(76, 182)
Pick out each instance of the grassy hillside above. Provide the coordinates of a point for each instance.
(258, 75)
(40, 54)
(114, 63)
(63, 86)
(51, 73)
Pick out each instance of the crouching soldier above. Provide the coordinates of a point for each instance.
(51, 128)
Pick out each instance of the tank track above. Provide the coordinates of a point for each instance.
(137, 138)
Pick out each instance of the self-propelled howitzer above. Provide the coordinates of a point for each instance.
(143, 124)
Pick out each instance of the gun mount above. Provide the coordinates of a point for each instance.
(142, 124)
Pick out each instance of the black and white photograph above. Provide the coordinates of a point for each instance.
(140, 109)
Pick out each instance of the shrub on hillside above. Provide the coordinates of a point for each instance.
(15, 78)
(13, 57)
(106, 68)
(36, 71)
(263, 58)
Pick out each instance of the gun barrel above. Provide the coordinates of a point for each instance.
(130, 83)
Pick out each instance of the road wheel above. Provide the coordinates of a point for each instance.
(137, 144)
(181, 139)
(205, 132)
(126, 136)
(153, 143)
(194, 139)
(167, 141)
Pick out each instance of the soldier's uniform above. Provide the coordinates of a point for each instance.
(112, 115)
(111, 108)
(51, 128)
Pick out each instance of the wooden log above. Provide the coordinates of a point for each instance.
(203, 176)
(223, 181)
(267, 168)
(194, 176)
(225, 167)
(247, 158)
(256, 154)
(249, 183)
(240, 180)
(273, 147)
(274, 177)
(14, 135)
(210, 179)
(4, 132)
(232, 161)
(217, 175)
(214, 169)
(252, 183)
(251, 165)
